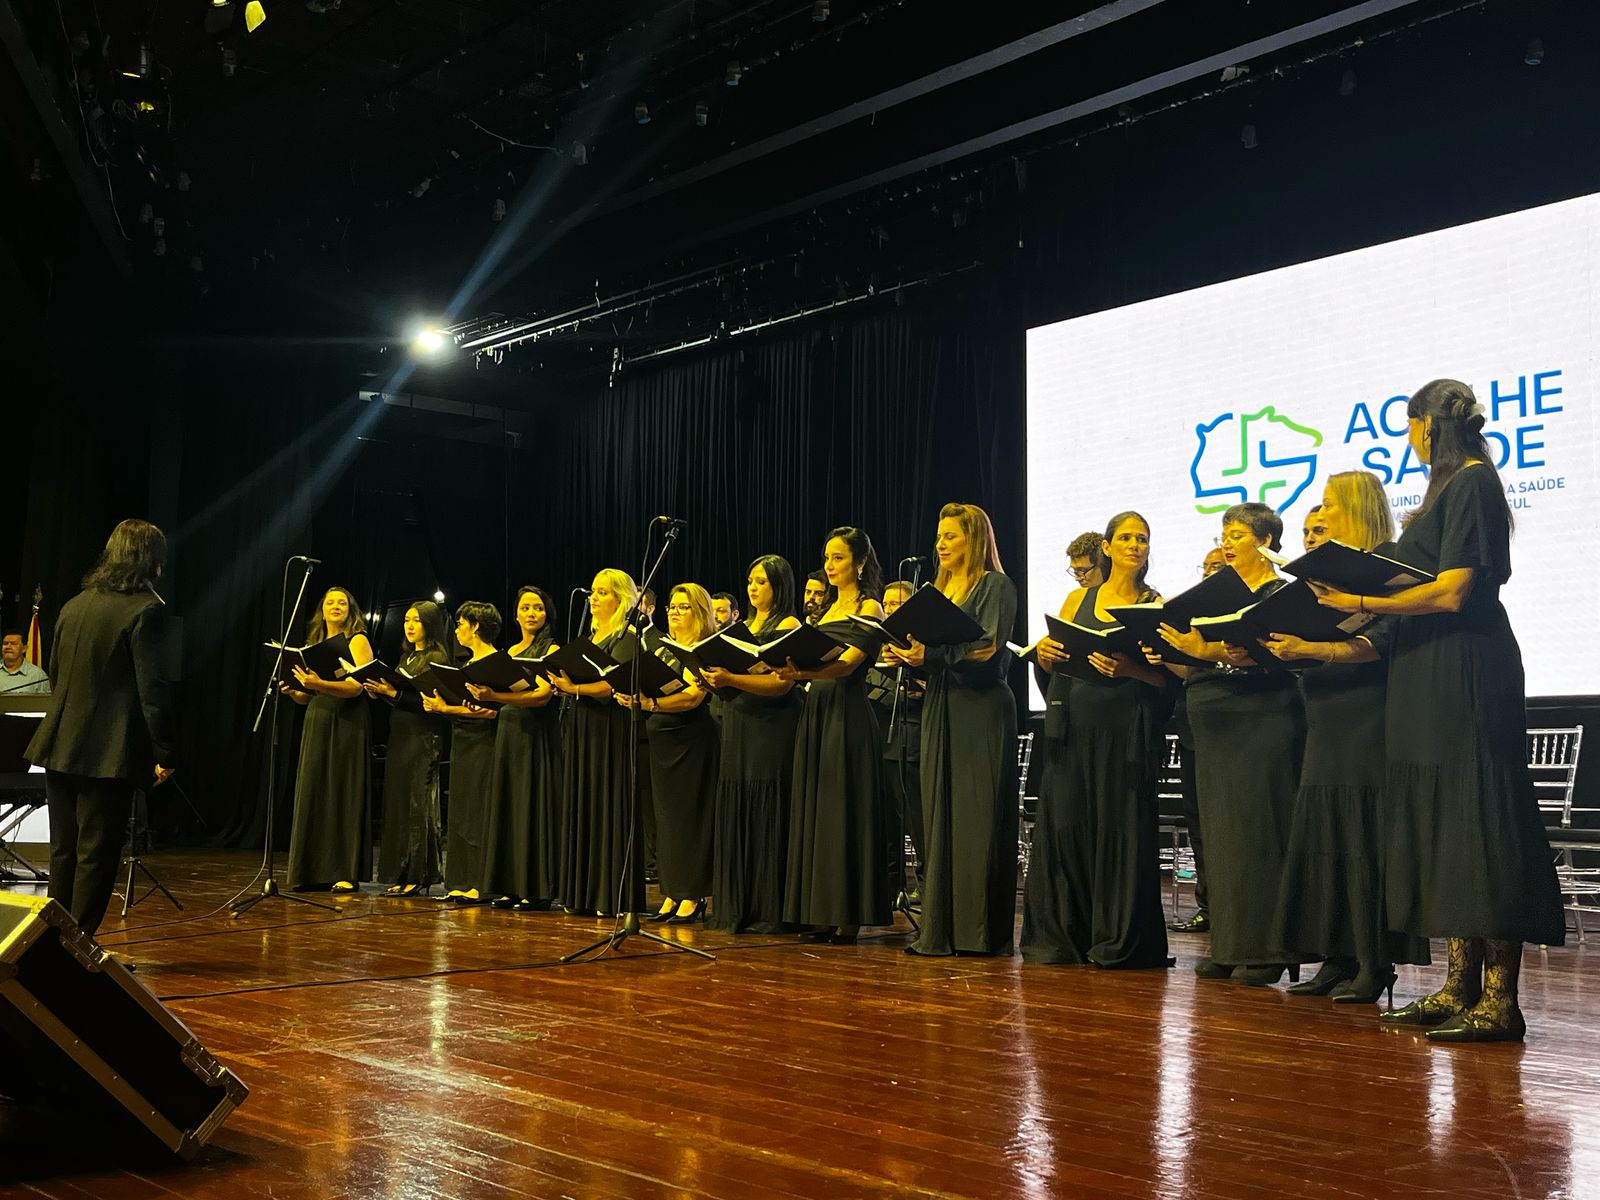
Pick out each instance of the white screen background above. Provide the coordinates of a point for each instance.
(1507, 304)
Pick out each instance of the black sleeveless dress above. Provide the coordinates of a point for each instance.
(837, 851)
(754, 786)
(969, 786)
(1249, 737)
(1464, 852)
(522, 847)
(602, 854)
(1093, 892)
(684, 752)
(410, 850)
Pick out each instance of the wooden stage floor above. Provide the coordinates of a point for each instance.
(410, 1049)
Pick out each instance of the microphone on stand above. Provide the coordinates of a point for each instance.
(671, 522)
(303, 558)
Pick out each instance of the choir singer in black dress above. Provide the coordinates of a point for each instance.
(472, 739)
(1093, 892)
(836, 881)
(1464, 853)
(409, 857)
(969, 751)
(756, 774)
(683, 743)
(330, 843)
(1330, 905)
(601, 868)
(522, 834)
(108, 728)
(1249, 736)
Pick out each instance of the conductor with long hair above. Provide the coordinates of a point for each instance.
(108, 730)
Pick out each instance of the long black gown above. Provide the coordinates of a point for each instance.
(837, 854)
(1331, 900)
(331, 840)
(969, 786)
(1464, 852)
(467, 812)
(1093, 893)
(410, 850)
(603, 847)
(684, 753)
(522, 848)
(754, 785)
(901, 784)
(1249, 734)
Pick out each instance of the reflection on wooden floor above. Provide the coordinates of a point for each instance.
(410, 1049)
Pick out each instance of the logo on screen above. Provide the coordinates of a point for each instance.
(1262, 456)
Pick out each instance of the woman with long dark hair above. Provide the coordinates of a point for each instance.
(683, 742)
(408, 858)
(969, 751)
(1464, 853)
(1093, 892)
(522, 831)
(1330, 905)
(757, 769)
(330, 843)
(472, 737)
(837, 879)
(601, 867)
(108, 726)
(1249, 736)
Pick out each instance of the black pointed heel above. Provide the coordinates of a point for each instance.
(1367, 988)
(1332, 975)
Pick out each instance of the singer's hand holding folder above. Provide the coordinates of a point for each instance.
(581, 661)
(807, 645)
(322, 659)
(1359, 572)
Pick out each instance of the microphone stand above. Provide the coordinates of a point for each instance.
(628, 922)
(897, 716)
(269, 886)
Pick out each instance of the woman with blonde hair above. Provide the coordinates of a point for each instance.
(969, 736)
(683, 765)
(1330, 901)
(602, 865)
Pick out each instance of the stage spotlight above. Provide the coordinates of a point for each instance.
(1247, 137)
(254, 15)
(218, 17)
(1534, 54)
(702, 114)
(142, 64)
(497, 211)
(820, 11)
(735, 73)
(641, 113)
(428, 341)
(438, 596)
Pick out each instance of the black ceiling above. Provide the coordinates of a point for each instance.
(364, 151)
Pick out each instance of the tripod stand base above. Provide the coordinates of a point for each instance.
(630, 928)
(269, 887)
(135, 863)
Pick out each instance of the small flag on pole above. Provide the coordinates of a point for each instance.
(35, 653)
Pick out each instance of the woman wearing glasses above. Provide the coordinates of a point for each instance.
(1249, 735)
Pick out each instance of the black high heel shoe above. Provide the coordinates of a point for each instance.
(1367, 987)
(664, 914)
(1266, 975)
(1332, 975)
(697, 913)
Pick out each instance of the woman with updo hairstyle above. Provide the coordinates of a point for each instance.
(602, 868)
(1093, 891)
(838, 879)
(1465, 856)
(522, 838)
(409, 857)
(472, 738)
(1330, 904)
(968, 751)
(330, 843)
(1249, 727)
(756, 774)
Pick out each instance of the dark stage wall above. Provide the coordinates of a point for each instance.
(249, 450)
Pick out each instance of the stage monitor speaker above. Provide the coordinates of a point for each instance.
(79, 1029)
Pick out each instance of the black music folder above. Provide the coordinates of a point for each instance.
(449, 682)
(647, 675)
(1360, 572)
(379, 672)
(581, 661)
(733, 649)
(499, 672)
(807, 645)
(323, 659)
(929, 616)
